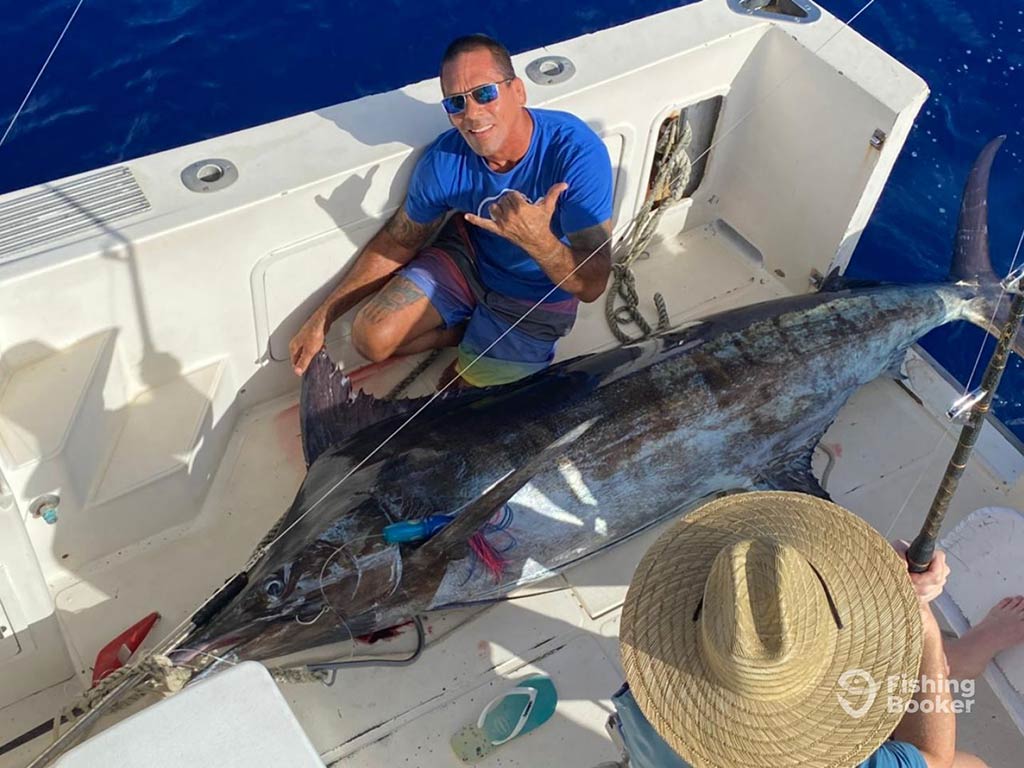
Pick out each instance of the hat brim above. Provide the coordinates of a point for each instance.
(713, 727)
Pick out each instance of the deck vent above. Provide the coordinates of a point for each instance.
(56, 211)
(800, 11)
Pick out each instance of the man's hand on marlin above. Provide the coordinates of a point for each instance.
(526, 224)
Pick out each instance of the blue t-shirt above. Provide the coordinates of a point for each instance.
(451, 176)
(895, 754)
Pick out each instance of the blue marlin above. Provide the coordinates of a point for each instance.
(577, 457)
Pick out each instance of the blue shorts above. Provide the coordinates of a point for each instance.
(446, 273)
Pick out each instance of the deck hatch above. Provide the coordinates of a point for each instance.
(56, 211)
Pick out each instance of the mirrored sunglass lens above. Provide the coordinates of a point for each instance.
(486, 93)
(454, 104)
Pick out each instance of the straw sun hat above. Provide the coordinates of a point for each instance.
(763, 629)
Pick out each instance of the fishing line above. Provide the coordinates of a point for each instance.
(197, 652)
(348, 629)
(323, 610)
(947, 434)
(927, 465)
(355, 565)
(757, 105)
(328, 606)
(35, 82)
(991, 322)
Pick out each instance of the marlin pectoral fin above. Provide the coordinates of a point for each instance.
(835, 282)
(793, 473)
(468, 521)
(895, 370)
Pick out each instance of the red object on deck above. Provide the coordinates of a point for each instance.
(114, 654)
(366, 371)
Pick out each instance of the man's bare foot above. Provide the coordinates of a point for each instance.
(1002, 628)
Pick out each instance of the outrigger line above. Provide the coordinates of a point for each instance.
(31, 88)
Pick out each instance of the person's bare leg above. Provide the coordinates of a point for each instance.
(398, 314)
(1002, 628)
(967, 760)
(968, 656)
(437, 338)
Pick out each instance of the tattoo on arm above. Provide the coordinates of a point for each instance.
(399, 293)
(593, 239)
(408, 233)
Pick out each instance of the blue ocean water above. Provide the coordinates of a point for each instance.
(134, 77)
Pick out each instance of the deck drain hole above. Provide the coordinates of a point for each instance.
(209, 175)
(549, 70)
(210, 172)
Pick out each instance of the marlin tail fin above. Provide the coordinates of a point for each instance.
(972, 263)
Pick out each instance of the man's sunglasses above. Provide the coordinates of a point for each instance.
(482, 94)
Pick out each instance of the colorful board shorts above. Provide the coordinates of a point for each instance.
(446, 272)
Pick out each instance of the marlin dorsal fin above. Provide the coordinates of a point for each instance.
(330, 412)
(476, 513)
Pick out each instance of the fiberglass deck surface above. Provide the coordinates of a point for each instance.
(889, 453)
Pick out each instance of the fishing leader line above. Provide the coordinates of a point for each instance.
(995, 312)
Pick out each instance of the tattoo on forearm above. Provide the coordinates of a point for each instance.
(400, 292)
(592, 239)
(409, 233)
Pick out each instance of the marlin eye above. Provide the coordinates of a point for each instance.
(273, 587)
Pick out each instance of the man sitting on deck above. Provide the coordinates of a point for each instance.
(532, 194)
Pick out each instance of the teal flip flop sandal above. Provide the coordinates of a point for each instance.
(514, 713)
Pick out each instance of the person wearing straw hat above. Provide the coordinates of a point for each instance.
(778, 629)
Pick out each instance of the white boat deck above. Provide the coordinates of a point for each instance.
(170, 425)
(566, 627)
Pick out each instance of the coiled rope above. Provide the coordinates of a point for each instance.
(674, 168)
(156, 674)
